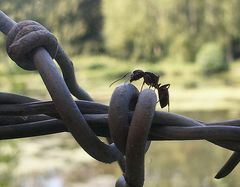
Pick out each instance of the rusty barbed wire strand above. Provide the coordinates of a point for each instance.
(228, 166)
(64, 62)
(138, 136)
(174, 130)
(55, 84)
(179, 129)
(99, 123)
(124, 99)
(123, 120)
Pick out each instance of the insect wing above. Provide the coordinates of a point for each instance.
(163, 95)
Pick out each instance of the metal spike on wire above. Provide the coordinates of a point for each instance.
(130, 122)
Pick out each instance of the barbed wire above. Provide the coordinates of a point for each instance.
(130, 122)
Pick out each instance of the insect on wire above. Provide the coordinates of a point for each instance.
(152, 80)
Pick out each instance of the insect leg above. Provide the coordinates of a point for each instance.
(142, 85)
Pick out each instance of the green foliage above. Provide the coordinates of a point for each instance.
(129, 34)
(77, 24)
(190, 85)
(154, 29)
(82, 24)
(140, 30)
(211, 59)
(96, 66)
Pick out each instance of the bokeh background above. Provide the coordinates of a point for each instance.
(192, 44)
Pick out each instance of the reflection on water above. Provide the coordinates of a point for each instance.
(211, 115)
(50, 179)
(190, 163)
(53, 180)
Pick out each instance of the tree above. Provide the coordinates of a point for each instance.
(77, 24)
(83, 25)
(131, 28)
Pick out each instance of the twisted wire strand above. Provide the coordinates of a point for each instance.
(19, 37)
(14, 125)
(138, 136)
(184, 128)
(172, 127)
(66, 65)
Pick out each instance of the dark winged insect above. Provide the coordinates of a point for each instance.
(163, 95)
(152, 80)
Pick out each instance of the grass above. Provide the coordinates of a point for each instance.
(188, 91)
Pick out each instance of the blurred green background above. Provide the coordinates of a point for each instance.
(193, 45)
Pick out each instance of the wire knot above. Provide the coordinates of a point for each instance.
(24, 38)
(130, 136)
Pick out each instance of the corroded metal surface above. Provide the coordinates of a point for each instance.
(38, 58)
(122, 102)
